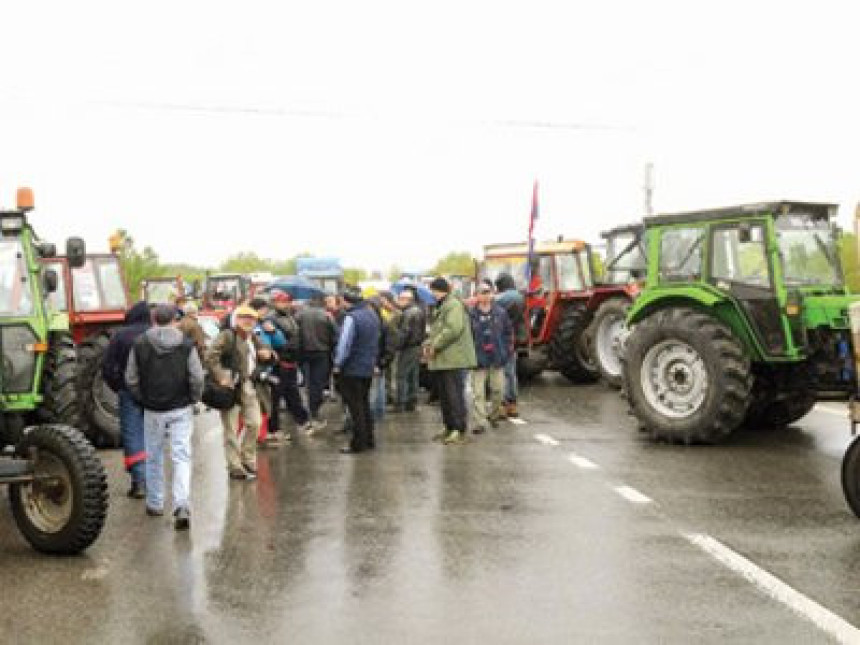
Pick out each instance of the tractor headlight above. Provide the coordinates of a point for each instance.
(11, 223)
(19, 359)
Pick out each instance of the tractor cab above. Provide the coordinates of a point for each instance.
(223, 292)
(556, 286)
(162, 290)
(626, 261)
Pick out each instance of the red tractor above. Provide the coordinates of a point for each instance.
(162, 290)
(624, 273)
(558, 305)
(95, 298)
(223, 292)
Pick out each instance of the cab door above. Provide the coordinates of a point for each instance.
(740, 267)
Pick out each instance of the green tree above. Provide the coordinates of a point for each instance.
(850, 264)
(354, 275)
(456, 263)
(394, 273)
(246, 262)
(136, 264)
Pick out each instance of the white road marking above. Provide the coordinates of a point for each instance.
(582, 462)
(546, 440)
(518, 422)
(823, 618)
(633, 495)
(842, 412)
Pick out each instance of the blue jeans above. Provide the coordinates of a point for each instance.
(511, 385)
(179, 424)
(131, 430)
(408, 367)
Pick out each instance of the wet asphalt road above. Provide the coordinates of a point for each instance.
(502, 540)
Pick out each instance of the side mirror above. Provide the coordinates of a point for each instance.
(50, 280)
(46, 250)
(76, 252)
(744, 233)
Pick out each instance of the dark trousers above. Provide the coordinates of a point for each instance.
(317, 367)
(355, 391)
(452, 398)
(287, 389)
(408, 365)
(131, 429)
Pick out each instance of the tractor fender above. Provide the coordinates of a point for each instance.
(654, 299)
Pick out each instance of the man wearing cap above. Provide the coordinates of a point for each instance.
(287, 386)
(355, 362)
(413, 329)
(231, 361)
(191, 329)
(164, 373)
(450, 351)
(493, 336)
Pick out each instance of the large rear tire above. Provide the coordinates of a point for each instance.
(569, 349)
(851, 476)
(610, 336)
(782, 412)
(100, 404)
(63, 510)
(60, 403)
(687, 377)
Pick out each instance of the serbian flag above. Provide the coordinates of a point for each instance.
(531, 256)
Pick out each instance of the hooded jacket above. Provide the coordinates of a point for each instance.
(116, 355)
(451, 336)
(165, 340)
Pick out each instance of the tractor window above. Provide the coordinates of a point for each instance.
(15, 295)
(681, 254)
(57, 300)
(809, 253)
(569, 273)
(161, 292)
(112, 285)
(740, 261)
(98, 286)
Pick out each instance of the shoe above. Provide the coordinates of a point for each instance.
(452, 437)
(274, 439)
(250, 469)
(397, 409)
(154, 512)
(410, 407)
(304, 427)
(479, 430)
(441, 436)
(238, 473)
(319, 424)
(288, 437)
(349, 450)
(512, 410)
(137, 490)
(181, 519)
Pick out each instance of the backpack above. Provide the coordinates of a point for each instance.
(290, 328)
(215, 395)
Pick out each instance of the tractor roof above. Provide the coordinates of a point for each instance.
(541, 248)
(619, 230)
(817, 210)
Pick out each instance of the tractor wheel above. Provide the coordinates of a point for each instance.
(687, 377)
(99, 403)
(529, 367)
(569, 348)
(851, 476)
(610, 336)
(63, 510)
(59, 390)
(780, 413)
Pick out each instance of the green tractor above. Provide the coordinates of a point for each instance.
(57, 485)
(743, 320)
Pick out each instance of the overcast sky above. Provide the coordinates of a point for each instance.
(393, 132)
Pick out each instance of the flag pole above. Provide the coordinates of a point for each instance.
(533, 215)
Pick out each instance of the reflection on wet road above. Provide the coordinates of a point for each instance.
(511, 538)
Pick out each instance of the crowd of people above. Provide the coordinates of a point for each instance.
(369, 350)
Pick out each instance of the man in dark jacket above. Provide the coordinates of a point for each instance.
(137, 320)
(318, 339)
(494, 342)
(413, 329)
(514, 304)
(164, 373)
(355, 362)
(286, 386)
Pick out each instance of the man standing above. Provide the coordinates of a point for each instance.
(137, 321)
(514, 304)
(287, 385)
(190, 327)
(494, 340)
(450, 350)
(232, 361)
(354, 365)
(164, 373)
(318, 337)
(413, 328)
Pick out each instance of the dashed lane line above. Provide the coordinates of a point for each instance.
(517, 421)
(582, 462)
(823, 618)
(546, 440)
(633, 495)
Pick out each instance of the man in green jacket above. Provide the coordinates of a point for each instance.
(450, 351)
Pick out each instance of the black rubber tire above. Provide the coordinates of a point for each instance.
(725, 404)
(529, 368)
(606, 312)
(569, 349)
(99, 404)
(59, 384)
(781, 413)
(851, 476)
(88, 488)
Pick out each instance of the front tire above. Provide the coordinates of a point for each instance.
(100, 404)
(63, 510)
(687, 377)
(851, 476)
(610, 336)
(569, 348)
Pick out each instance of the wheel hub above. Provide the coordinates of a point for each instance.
(610, 343)
(674, 379)
(47, 500)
